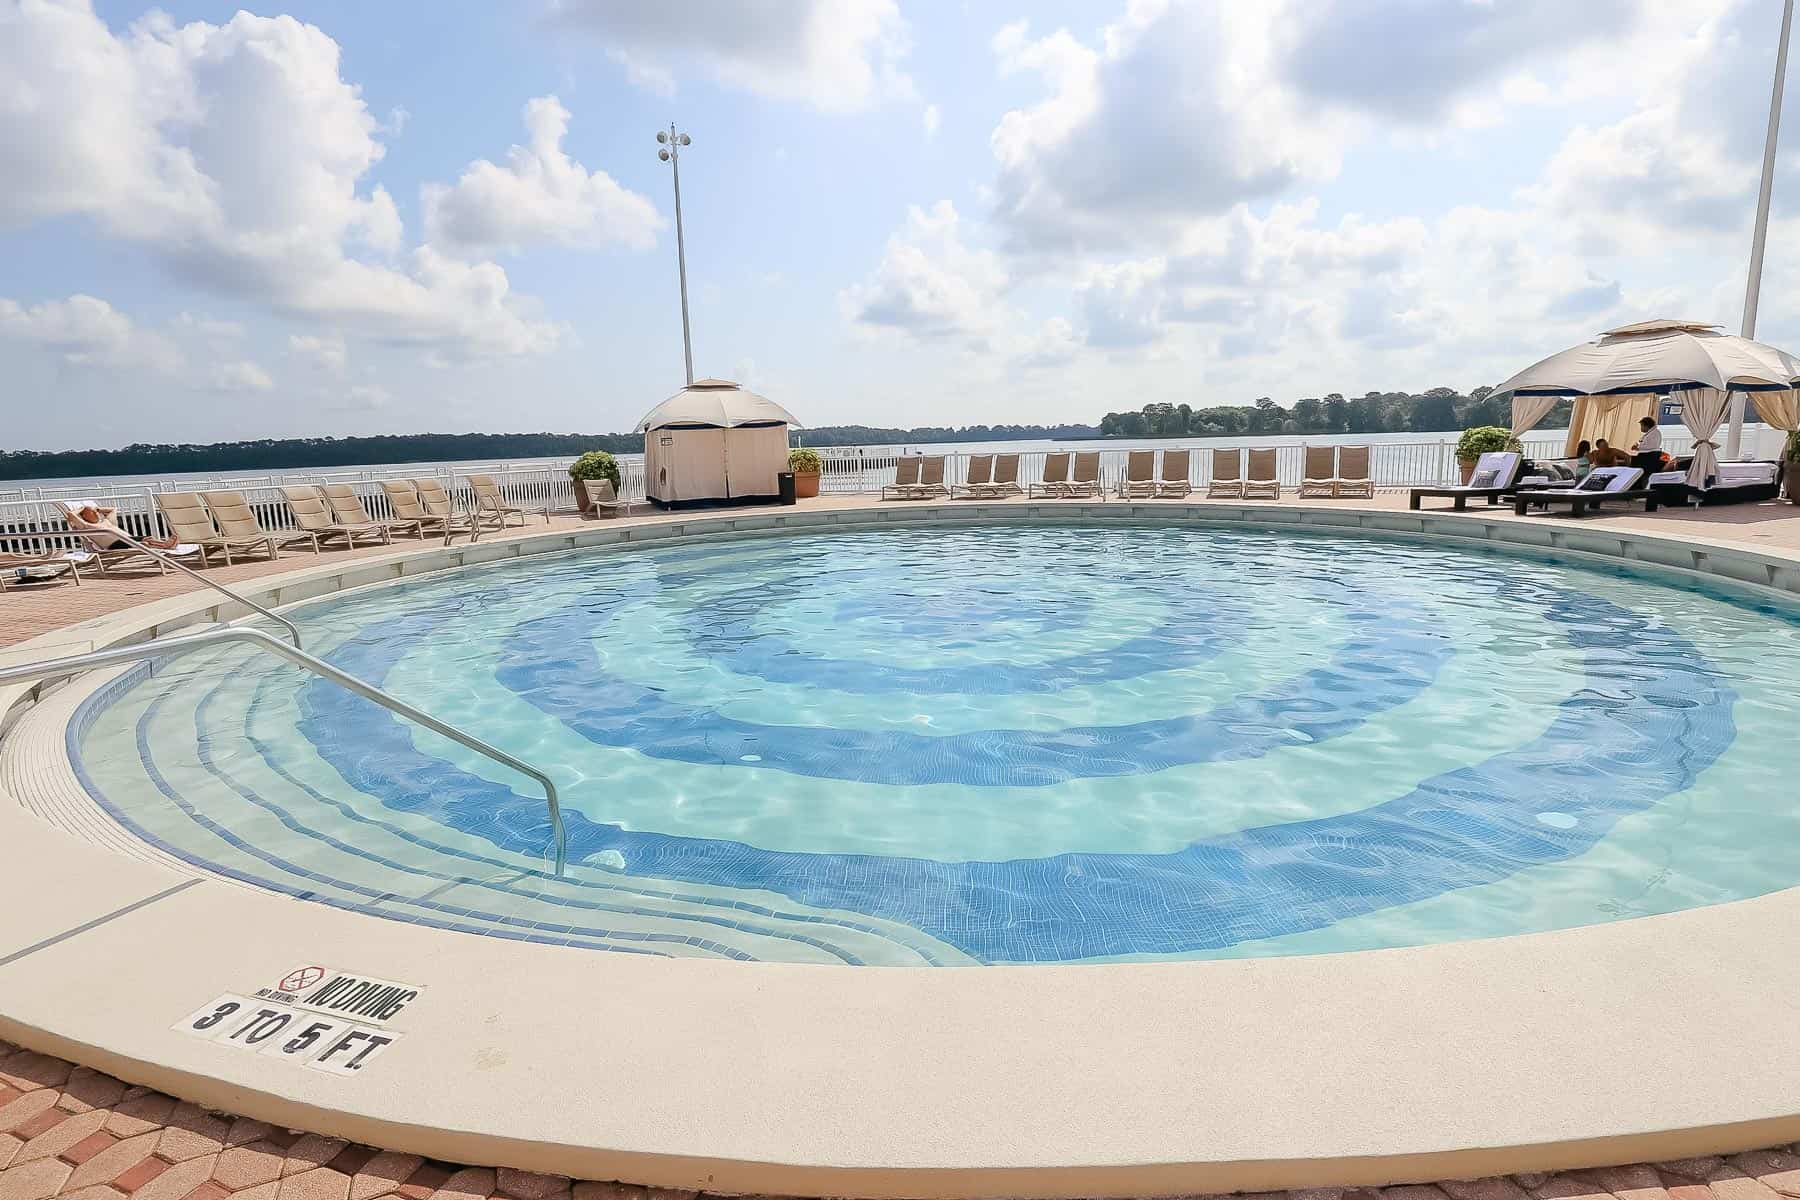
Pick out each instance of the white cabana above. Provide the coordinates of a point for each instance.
(1616, 380)
(713, 442)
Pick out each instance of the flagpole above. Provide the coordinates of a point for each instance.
(1753, 285)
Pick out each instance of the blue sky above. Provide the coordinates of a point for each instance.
(313, 218)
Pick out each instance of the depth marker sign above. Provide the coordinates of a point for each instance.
(329, 1020)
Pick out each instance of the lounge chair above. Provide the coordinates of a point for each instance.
(103, 541)
(438, 503)
(1353, 479)
(1174, 482)
(347, 508)
(1319, 478)
(1227, 475)
(1262, 481)
(1494, 476)
(33, 566)
(1601, 484)
(409, 510)
(1056, 475)
(602, 500)
(1140, 475)
(978, 478)
(237, 522)
(906, 478)
(189, 522)
(1006, 477)
(314, 515)
(931, 479)
(1084, 480)
(490, 499)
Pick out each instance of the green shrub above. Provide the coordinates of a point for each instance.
(803, 460)
(1793, 446)
(1484, 439)
(597, 464)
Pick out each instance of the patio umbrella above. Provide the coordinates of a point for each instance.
(1650, 358)
(715, 404)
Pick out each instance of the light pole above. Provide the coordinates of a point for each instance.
(1753, 286)
(670, 153)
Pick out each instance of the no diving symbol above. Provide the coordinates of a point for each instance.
(301, 978)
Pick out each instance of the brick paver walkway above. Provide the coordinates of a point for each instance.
(68, 1131)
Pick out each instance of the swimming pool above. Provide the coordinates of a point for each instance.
(1005, 743)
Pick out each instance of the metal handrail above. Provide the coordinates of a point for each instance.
(111, 530)
(368, 691)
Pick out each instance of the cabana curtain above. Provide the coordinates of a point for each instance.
(1527, 411)
(1780, 409)
(1702, 411)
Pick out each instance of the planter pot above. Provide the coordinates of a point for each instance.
(806, 486)
(1467, 467)
(1790, 474)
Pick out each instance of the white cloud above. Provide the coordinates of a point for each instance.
(210, 327)
(369, 395)
(326, 352)
(837, 55)
(540, 195)
(932, 119)
(88, 331)
(1182, 109)
(930, 285)
(242, 376)
(237, 155)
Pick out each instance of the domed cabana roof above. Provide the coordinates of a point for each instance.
(715, 404)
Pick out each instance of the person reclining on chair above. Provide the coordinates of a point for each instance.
(1605, 456)
(103, 519)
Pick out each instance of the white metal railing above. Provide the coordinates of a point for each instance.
(33, 511)
(1392, 465)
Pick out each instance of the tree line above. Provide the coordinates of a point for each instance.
(299, 454)
(1440, 410)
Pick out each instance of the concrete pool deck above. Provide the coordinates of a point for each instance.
(1650, 1039)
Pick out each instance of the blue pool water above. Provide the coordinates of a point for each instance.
(987, 744)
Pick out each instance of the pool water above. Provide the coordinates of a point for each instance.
(1013, 743)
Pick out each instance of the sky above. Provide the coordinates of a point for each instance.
(341, 218)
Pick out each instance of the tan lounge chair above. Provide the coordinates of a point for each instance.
(1227, 475)
(347, 508)
(489, 499)
(438, 503)
(977, 479)
(237, 522)
(1085, 479)
(602, 500)
(1140, 475)
(1353, 473)
(931, 479)
(1262, 481)
(314, 515)
(1006, 477)
(906, 478)
(1056, 475)
(1174, 482)
(409, 511)
(101, 539)
(1319, 478)
(185, 516)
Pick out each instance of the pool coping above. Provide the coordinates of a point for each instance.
(1640, 1039)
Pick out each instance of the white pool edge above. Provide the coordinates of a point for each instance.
(1655, 1038)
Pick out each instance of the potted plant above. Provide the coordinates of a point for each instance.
(1482, 439)
(1791, 468)
(595, 464)
(806, 465)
